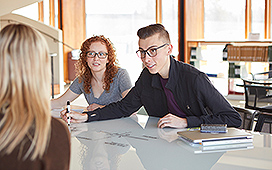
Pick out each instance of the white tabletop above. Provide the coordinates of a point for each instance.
(136, 143)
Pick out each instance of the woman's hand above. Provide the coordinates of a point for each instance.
(74, 116)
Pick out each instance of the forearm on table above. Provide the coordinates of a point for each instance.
(56, 103)
(61, 101)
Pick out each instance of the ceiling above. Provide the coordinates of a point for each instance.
(7, 6)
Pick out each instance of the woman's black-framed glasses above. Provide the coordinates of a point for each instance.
(151, 51)
(92, 54)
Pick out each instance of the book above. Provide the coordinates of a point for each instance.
(233, 136)
(216, 148)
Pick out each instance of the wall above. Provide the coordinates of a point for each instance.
(73, 27)
(9, 5)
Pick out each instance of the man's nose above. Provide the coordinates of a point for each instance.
(147, 58)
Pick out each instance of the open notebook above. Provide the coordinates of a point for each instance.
(233, 136)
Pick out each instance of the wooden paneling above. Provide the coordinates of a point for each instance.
(51, 13)
(73, 27)
(267, 21)
(194, 19)
(41, 12)
(194, 22)
(159, 11)
(248, 18)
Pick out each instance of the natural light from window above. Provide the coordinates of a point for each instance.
(224, 20)
(30, 11)
(170, 21)
(119, 21)
(257, 26)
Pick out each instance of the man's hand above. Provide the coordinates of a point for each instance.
(171, 120)
(75, 116)
(94, 106)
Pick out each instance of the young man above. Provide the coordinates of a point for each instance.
(181, 95)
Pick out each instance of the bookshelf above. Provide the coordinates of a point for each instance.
(247, 63)
(196, 43)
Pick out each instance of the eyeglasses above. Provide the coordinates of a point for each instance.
(92, 54)
(151, 51)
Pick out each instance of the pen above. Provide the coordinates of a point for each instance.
(68, 111)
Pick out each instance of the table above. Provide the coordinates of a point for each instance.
(136, 143)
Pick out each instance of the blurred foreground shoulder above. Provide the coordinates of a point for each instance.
(59, 149)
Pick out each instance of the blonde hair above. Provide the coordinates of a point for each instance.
(24, 90)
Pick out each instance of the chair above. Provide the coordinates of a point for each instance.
(258, 97)
(246, 114)
(262, 76)
(262, 118)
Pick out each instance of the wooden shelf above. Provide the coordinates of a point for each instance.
(200, 42)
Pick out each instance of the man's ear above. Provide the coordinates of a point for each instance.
(170, 49)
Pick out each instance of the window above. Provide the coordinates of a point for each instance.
(120, 25)
(224, 20)
(257, 25)
(30, 11)
(170, 21)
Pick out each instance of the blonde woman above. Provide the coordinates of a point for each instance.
(29, 137)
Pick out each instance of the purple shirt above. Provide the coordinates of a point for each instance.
(171, 102)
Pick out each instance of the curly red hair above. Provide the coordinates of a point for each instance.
(83, 70)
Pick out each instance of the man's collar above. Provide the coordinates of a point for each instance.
(173, 73)
(171, 79)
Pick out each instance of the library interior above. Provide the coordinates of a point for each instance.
(228, 40)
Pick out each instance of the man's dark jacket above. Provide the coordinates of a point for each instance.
(192, 90)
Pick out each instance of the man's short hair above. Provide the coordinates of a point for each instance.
(153, 29)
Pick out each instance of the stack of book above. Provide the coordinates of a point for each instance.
(249, 53)
(234, 138)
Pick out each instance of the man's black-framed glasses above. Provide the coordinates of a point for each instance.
(151, 51)
(92, 54)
